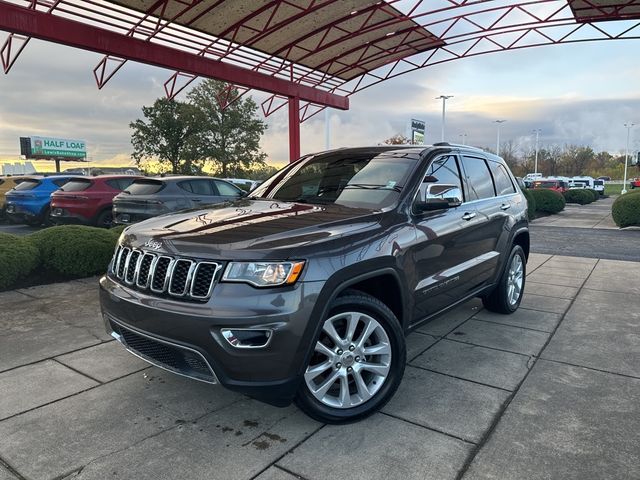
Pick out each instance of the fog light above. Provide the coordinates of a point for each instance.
(247, 337)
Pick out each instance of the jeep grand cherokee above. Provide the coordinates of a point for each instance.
(305, 290)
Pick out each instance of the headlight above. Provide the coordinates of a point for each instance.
(263, 274)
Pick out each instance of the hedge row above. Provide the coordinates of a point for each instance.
(547, 201)
(581, 196)
(68, 251)
(626, 209)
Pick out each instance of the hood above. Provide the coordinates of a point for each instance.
(247, 226)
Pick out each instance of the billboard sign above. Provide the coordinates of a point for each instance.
(46, 147)
(417, 132)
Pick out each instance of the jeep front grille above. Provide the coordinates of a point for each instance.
(161, 274)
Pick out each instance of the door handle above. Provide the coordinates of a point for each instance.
(505, 206)
(468, 215)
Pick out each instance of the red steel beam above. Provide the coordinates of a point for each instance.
(56, 29)
(294, 129)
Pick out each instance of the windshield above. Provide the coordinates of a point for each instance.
(76, 185)
(27, 185)
(365, 181)
(144, 187)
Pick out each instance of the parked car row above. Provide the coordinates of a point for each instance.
(107, 199)
(562, 184)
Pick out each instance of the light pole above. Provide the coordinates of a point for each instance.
(463, 136)
(628, 126)
(499, 122)
(535, 167)
(444, 102)
(327, 129)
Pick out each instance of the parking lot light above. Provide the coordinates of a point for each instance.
(499, 122)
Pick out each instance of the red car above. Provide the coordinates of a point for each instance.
(635, 183)
(557, 185)
(88, 200)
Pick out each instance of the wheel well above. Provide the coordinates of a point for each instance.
(385, 288)
(522, 239)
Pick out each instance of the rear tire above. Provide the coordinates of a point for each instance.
(358, 361)
(507, 295)
(105, 219)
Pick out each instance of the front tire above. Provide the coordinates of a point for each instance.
(507, 295)
(357, 363)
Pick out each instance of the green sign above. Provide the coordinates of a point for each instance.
(58, 147)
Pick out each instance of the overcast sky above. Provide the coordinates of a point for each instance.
(576, 94)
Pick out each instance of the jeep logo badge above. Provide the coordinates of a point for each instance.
(152, 244)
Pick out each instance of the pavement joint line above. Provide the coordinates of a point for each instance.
(493, 348)
(57, 355)
(155, 434)
(11, 470)
(273, 464)
(509, 325)
(547, 311)
(71, 395)
(290, 472)
(433, 429)
(55, 359)
(458, 378)
(439, 338)
(589, 368)
(550, 296)
(496, 420)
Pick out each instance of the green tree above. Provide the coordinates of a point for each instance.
(230, 136)
(170, 134)
(397, 139)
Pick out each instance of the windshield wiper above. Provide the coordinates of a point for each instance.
(373, 186)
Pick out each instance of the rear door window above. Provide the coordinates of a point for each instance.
(198, 187)
(27, 185)
(76, 185)
(120, 183)
(227, 190)
(504, 185)
(145, 187)
(479, 178)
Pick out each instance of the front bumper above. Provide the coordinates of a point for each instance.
(271, 374)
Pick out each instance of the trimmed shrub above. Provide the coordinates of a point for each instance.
(116, 231)
(531, 203)
(579, 196)
(18, 258)
(548, 201)
(74, 250)
(596, 195)
(626, 210)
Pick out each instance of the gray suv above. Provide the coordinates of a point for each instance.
(306, 289)
(150, 197)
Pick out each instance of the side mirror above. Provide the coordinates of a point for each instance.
(439, 196)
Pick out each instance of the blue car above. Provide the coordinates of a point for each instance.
(28, 202)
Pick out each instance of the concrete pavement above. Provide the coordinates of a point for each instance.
(552, 391)
(594, 215)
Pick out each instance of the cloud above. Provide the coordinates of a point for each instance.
(580, 94)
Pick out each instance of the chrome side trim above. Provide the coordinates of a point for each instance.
(453, 271)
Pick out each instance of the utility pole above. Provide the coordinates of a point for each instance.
(499, 122)
(628, 126)
(535, 167)
(463, 136)
(444, 103)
